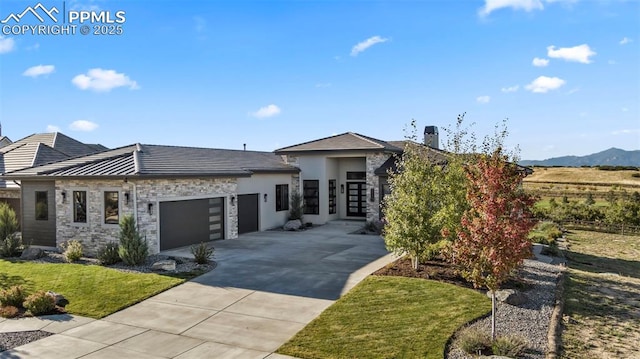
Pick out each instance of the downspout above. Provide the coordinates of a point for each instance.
(136, 170)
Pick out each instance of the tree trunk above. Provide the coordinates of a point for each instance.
(493, 315)
(414, 262)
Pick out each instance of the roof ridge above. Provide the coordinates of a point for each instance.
(368, 139)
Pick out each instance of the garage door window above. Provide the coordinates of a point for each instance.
(80, 206)
(42, 206)
(111, 207)
(282, 197)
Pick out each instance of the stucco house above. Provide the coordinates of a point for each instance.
(181, 196)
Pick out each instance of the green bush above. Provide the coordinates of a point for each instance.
(133, 248)
(9, 311)
(434, 250)
(201, 253)
(296, 207)
(13, 296)
(40, 303)
(473, 340)
(511, 346)
(72, 250)
(108, 254)
(10, 245)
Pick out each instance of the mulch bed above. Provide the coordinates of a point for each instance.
(441, 271)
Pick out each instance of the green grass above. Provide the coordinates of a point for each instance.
(92, 290)
(389, 317)
(544, 202)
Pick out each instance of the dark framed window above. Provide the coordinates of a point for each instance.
(42, 206)
(111, 207)
(332, 196)
(80, 206)
(356, 176)
(311, 195)
(282, 197)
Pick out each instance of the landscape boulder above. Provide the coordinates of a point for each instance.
(32, 253)
(60, 300)
(164, 265)
(509, 296)
(293, 225)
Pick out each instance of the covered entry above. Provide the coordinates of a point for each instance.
(188, 222)
(248, 213)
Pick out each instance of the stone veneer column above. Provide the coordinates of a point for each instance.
(374, 161)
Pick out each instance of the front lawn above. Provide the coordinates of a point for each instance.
(389, 317)
(93, 291)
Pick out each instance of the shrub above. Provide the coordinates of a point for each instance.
(434, 250)
(13, 296)
(40, 303)
(511, 346)
(133, 248)
(9, 311)
(473, 340)
(296, 207)
(72, 250)
(10, 245)
(589, 200)
(201, 253)
(635, 175)
(108, 254)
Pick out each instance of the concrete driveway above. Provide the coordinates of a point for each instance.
(266, 287)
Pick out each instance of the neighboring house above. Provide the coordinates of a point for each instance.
(182, 196)
(35, 150)
(179, 195)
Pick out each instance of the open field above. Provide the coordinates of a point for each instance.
(602, 313)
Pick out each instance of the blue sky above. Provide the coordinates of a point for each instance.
(566, 73)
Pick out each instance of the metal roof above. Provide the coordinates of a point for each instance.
(161, 161)
(348, 141)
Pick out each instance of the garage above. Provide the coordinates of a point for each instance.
(248, 213)
(188, 222)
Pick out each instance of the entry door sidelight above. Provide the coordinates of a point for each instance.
(356, 199)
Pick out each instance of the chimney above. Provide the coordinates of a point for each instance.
(244, 145)
(431, 136)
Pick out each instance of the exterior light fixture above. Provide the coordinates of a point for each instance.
(126, 197)
(233, 200)
(342, 188)
(150, 208)
(265, 197)
(373, 195)
(64, 196)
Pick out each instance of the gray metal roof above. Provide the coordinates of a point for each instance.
(348, 141)
(58, 141)
(161, 161)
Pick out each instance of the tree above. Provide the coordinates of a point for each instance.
(493, 239)
(133, 249)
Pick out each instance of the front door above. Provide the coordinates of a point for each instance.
(356, 199)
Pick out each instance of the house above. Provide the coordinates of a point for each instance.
(35, 150)
(182, 196)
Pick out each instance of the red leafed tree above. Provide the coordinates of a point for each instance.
(493, 239)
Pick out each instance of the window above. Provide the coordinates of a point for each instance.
(356, 176)
(311, 195)
(111, 207)
(282, 197)
(80, 206)
(332, 196)
(42, 206)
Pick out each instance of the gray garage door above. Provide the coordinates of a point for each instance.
(247, 213)
(184, 223)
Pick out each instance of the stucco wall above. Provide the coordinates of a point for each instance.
(266, 184)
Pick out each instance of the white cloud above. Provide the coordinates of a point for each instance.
(33, 47)
(361, 46)
(83, 125)
(7, 44)
(39, 70)
(483, 99)
(510, 89)
(103, 80)
(267, 111)
(626, 131)
(538, 62)
(625, 40)
(580, 53)
(52, 128)
(545, 84)
(526, 5)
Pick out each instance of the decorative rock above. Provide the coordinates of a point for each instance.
(292, 225)
(61, 301)
(32, 253)
(509, 296)
(164, 265)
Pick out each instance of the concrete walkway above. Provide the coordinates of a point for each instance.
(267, 287)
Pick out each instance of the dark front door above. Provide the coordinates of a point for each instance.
(356, 199)
(184, 223)
(247, 213)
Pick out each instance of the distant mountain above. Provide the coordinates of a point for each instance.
(611, 157)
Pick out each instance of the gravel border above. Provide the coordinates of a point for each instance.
(16, 339)
(529, 320)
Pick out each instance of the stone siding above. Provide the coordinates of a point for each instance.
(374, 161)
(95, 234)
(10, 193)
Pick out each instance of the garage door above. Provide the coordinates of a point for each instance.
(247, 213)
(184, 223)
